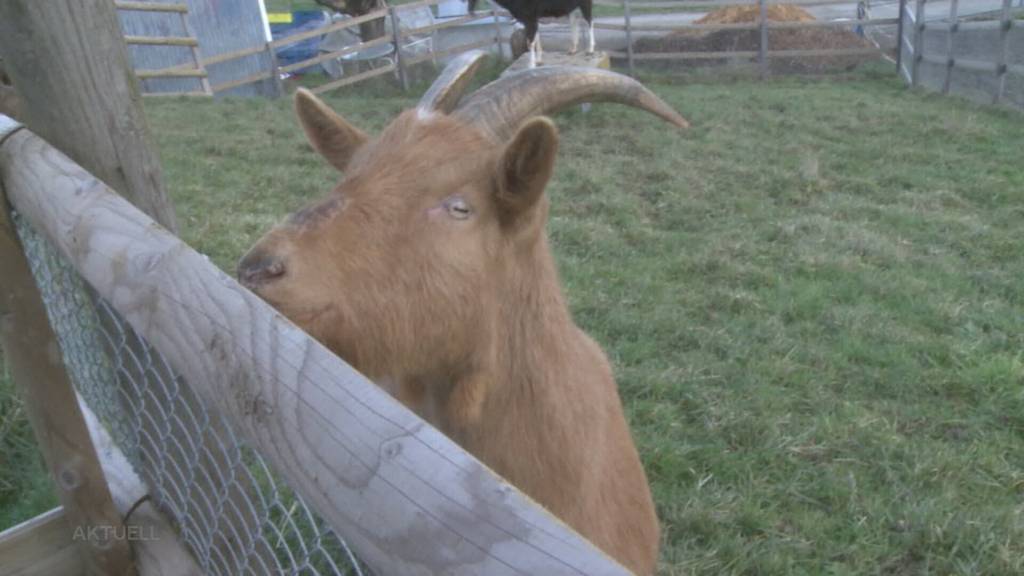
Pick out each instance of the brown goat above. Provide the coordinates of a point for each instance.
(428, 270)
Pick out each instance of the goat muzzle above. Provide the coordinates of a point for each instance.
(256, 269)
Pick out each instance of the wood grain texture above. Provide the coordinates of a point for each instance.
(404, 496)
(151, 7)
(162, 40)
(42, 546)
(71, 67)
(175, 72)
(33, 355)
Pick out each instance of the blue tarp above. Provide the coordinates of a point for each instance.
(301, 22)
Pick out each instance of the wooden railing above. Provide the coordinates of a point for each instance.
(405, 498)
(197, 70)
(396, 36)
(762, 24)
(911, 40)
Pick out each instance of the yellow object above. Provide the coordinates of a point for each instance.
(279, 17)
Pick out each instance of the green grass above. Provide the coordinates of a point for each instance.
(25, 488)
(813, 300)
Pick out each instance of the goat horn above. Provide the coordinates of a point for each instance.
(446, 91)
(501, 106)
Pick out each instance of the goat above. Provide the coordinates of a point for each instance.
(428, 270)
(529, 12)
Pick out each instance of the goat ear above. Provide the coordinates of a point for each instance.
(525, 167)
(329, 134)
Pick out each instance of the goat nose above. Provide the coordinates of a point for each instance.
(257, 269)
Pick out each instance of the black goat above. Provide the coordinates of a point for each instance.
(528, 12)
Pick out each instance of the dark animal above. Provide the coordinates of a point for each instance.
(529, 12)
(428, 269)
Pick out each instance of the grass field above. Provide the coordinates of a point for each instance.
(814, 302)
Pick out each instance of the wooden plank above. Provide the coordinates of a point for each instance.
(446, 24)
(964, 26)
(353, 79)
(453, 50)
(832, 23)
(171, 73)
(762, 44)
(41, 546)
(749, 25)
(242, 81)
(396, 38)
(151, 7)
(962, 63)
(751, 54)
(678, 27)
(79, 92)
(196, 94)
(918, 42)
(197, 58)
(1004, 52)
(32, 354)
(330, 28)
(825, 52)
(336, 54)
(628, 20)
(954, 20)
(419, 4)
(228, 56)
(902, 7)
(161, 40)
(406, 498)
(497, 32)
(695, 55)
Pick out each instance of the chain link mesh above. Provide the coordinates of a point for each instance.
(233, 513)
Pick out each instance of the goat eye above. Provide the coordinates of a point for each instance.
(458, 208)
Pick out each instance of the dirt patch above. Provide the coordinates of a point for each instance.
(749, 41)
(738, 14)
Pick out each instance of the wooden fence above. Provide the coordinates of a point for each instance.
(990, 60)
(405, 498)
(762, 25)
(197, 71)
(398, 62)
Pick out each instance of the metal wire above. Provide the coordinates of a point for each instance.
(234, 514)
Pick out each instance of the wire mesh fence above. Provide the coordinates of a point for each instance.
(233, 513)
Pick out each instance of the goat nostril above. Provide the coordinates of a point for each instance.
(255, 271)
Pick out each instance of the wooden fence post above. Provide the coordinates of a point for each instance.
(626, 8)
(497, 32)
(71, 67)
(275, 71)
(762, 48)
(915, 67)
(396, 33)
(954, 27)
(33, 354)
(204, 81)
(1005, 23)
(899, 36)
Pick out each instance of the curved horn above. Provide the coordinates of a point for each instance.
(501, 106)
(445, 92)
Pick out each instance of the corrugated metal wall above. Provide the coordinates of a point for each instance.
(221, 26)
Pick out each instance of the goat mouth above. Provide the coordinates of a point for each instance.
(304, 317)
